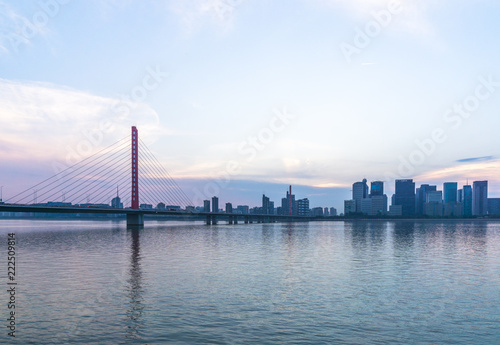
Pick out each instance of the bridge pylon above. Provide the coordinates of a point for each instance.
(133, 218)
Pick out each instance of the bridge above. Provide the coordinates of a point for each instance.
(127, 165)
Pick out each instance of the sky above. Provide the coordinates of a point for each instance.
(238, 98)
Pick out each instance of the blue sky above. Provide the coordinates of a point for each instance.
(202, 78)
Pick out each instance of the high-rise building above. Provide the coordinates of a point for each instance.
(333, 211)
(287, 202)
(494, 206)
(467, 200)
(421, 196)
(405, 196)
(349, 206)
(326, 212)
(378, 205)
(359, 192)
(434, 196)
(303, 207)
(215, 204)
(229, 207)
(265, 204)
(450, 192)
(377, 188)
(116, 202)
(242, 209)
(317, 212)
(479, 198)
(366, 206)
(433, 206)
(206, 206)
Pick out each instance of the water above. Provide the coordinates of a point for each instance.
(403, 282)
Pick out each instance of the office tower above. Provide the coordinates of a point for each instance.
(479, 198)
(333, 211)
(242, 209)
(206, 205)
(433, 206)
(116, 202)
(378, 205)
(421, 196)
(434, 196)
(467, 200)
(405, 196)
(271, 208)
(349, 206)
(377, 188)
(291, 205)
(450, 192)
(229, 207)
(366, 206)
(359, 192)
(494, 206)
(303, 207)
(265, 204)
(317, 212)
(215, 204)
(326, 212)
(460, 195)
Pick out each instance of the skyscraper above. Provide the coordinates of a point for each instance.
(215, 204)
(450, 192)
(359, 192)
(434, 204)
(405, 196)
(378, 205)
(303, 207)
(467, 200)
(265, 204)
(206, 205)
(421, 197)
(479, 198)
(377, 188)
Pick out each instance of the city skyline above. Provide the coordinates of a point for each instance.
(316, 93)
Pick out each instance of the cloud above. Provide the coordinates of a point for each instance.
(412, 17)
(476, 170)
(194, 15)
(20, 27)
(11, 24)
(475, 159)
(47, 123)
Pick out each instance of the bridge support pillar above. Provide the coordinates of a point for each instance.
(135, 219)
(246, 219)
(214, 220)
(236, 220)
(230, 220)
(209, 220)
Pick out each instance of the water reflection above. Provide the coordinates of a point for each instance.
(403, 237)
(365, 235)
(134, 288)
